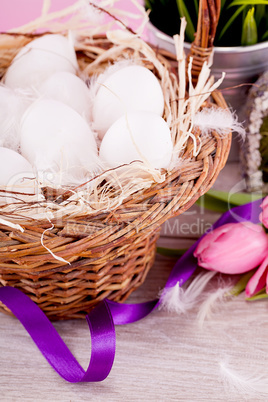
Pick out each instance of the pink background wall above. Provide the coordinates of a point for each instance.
(14, 13)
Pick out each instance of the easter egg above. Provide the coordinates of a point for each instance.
(137, 136)
(131, 88)
(58, 142)
(39, 59)
(16, 175)
(12, 106)
(69, 89)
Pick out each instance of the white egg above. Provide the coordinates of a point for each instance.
(16, 174)
(58, 142)
(142, 136)
(131, 88)
(12, 107)
(40, 58)
(69, 89)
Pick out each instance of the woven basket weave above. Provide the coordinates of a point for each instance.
(110, 253)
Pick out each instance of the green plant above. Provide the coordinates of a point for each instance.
(242, 22)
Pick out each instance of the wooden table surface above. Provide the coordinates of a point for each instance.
(164, 357)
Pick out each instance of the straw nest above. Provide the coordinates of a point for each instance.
(69, 248)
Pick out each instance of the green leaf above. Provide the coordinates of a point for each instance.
(222, 201)
(147, 4)
(196, 7)
(231, 20)
(240, 286)
(234, 198)
(249, 30)
(190, 30)
(247, 2)
(265, 36)
(260, 295)
(170, 252)
(212, 204)
(260, 13)
(152, 4)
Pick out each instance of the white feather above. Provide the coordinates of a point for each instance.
(253, 384)
(180, 300)
(212, 302)
(218, 119)
(93, 14)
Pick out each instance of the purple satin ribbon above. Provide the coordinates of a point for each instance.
(105, 315)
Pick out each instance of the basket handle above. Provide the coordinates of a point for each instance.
(201, 48)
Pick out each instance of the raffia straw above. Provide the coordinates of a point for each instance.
(77, 14)
(10, 224)
(46, 7)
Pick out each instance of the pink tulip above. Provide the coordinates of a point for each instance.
(233, 248)
(258, 281)
(264, 214)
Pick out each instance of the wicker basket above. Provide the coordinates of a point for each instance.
(109, 252)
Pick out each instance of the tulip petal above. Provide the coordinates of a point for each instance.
(258, 280)
(265, 202)
(233, 248)
(263, 217)
(211, 237)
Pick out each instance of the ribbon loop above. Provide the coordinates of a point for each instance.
(52, 346)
